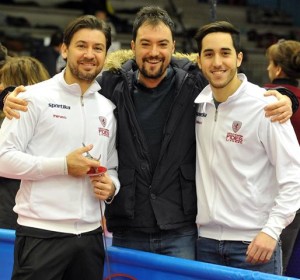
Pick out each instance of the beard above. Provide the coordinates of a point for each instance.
(152, 75)
(80, 75)
(221, 80)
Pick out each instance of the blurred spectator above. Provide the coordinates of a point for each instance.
(50, 55)
(284, 71)
(3, 58)
(3, 55)
(21, 70)
(102, 13)
(103, 8)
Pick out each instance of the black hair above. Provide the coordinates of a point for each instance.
(218, 26)
(152, 15)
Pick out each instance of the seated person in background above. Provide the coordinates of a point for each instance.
(284, 70)
(23, 70)
(50, 55)
(93, 7)
(103, 11)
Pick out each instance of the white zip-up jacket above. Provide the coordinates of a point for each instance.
(34, 149)
(248, 168)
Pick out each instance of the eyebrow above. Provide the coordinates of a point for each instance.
(222, 49)
(160, 41)
(226, 49)
(85, 42)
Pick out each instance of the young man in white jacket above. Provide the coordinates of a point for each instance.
(248, 168)
(59, 211)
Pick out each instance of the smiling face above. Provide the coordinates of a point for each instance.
(153, 49)
(219, 63)
(85, 56)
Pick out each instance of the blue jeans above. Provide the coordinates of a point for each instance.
(177, 243)
(233, 254)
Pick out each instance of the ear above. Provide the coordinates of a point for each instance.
(199, 62)
(174, 44)
(132, 44)
(64, 51)
(278, 71)
(239, 59)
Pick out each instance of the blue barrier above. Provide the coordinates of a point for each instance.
(7, 239)
(137, 265)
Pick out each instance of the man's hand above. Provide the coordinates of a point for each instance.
(103, 186)
(280, 111)
(78, 164)
(261, 248)
(13, 104)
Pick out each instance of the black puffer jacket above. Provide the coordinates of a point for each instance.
(165, 197)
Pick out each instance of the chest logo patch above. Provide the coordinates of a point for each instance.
(234, 137)
(236, 125)
(103, 121)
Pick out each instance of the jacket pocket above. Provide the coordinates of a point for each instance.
(188, 188)
(124, 201)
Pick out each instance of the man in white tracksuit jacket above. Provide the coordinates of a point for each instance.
(33, 149)
(59, 211)
(248, 168)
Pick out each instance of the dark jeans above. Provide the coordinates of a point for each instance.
(233, 254)
(177, 243)
(288, 238)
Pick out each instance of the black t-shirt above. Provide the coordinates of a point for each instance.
(152, 108)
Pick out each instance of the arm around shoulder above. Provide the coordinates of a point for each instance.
(11, 103)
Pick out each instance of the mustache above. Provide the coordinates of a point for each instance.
(153, 58)
(86, 60)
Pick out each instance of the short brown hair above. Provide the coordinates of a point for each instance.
(89, 22)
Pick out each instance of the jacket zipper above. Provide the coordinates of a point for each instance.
(216, 115)
(213, 212)
(81, 100)
(142, 151)
(83, 141)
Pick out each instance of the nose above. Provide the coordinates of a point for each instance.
(154, 50)
(217, 60)
(89, 52)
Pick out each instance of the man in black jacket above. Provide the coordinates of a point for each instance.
(154, 93)
(155, 208)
